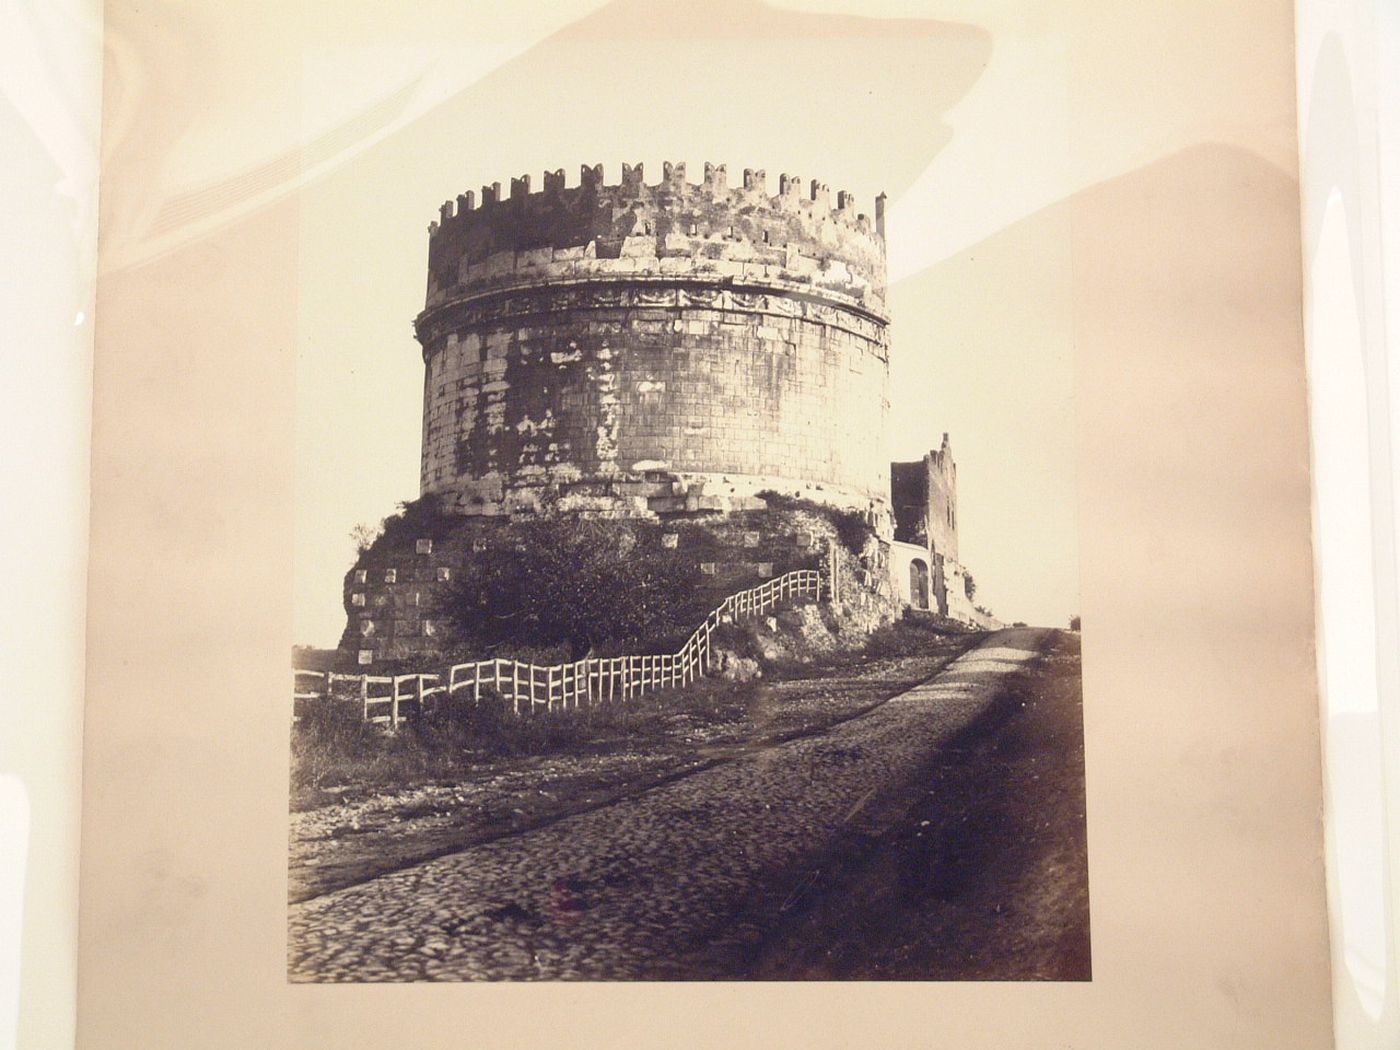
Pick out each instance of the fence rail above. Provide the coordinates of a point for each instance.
(530, 687)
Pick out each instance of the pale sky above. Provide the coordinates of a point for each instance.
(970, 114)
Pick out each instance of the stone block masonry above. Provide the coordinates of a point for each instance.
(676, 350)
(925, 501)
(395, 596)
(635, 350)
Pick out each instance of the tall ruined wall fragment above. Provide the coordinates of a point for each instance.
(925, 498)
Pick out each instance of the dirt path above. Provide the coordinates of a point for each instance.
(983, 875)
(375, 831)
(654, 886)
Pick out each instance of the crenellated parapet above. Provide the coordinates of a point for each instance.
(655, 348)
(800, 240)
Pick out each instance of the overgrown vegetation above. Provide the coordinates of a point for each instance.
(591, 585)
(422, 517)
(365, 536)
(852, 529)
(332, 747)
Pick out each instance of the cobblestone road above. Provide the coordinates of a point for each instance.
(623, 892)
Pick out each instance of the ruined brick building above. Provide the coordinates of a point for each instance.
(666, 351)
(924, 495)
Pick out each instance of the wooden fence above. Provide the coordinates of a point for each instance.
(389, 699)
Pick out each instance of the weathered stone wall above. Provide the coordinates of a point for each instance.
(946, 581)
(910, 562)
(639, 350)
(394, 594)
(925, 501)
(924, 495)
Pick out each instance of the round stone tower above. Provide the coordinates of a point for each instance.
(651, 349)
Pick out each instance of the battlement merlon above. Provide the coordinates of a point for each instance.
(661, 225)
(673, 182)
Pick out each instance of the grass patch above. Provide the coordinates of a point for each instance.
(334, 751)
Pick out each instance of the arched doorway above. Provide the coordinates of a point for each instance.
(918, 583)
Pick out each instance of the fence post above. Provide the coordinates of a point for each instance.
(833, 570)
(626, 676)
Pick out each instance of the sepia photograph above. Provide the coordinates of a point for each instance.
(793, 515)
(687, 582)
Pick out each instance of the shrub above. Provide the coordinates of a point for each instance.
(852, 529)
(424, 517)
(909, 636)
(365, 536)
(329, 737)
(586, 583)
